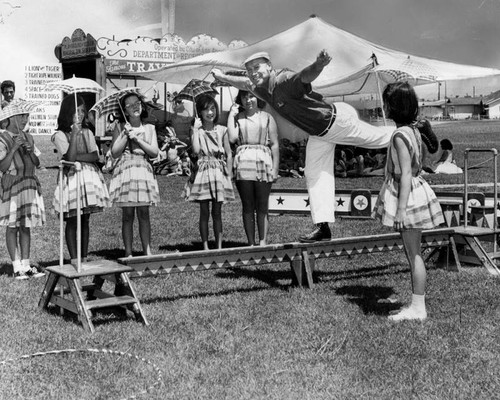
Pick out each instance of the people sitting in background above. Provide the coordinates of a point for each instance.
(173, 158)
(357, 161)
(446, 163)
(375, 161)
(292, 156)
(182, 119)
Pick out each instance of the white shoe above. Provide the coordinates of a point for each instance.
(20, 275)
(35, 273)
(408, 313)
(30, 273)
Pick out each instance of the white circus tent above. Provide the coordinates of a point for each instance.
(351, 69)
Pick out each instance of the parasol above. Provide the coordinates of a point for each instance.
(17, 107)
(75, 85)
(413, 71)
(111, 103)
(194, 88)
(410, 70)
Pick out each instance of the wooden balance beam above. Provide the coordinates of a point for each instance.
(301, 256)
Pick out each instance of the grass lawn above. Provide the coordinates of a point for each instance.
(243, 333)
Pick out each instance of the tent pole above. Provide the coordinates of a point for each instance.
(165, 101)
(221, 100)
(380, 97)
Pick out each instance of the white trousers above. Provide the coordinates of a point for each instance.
(347, 129)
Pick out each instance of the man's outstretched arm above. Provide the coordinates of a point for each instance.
(239, 82)
(310, 73)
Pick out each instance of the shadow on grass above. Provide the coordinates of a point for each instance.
(6, 269)
(198, 245)
(370, 299)
(111, 254)
(356, 273)
(268, 277)
(200, 295)
(100, 317)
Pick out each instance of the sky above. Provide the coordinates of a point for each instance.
(460, 31)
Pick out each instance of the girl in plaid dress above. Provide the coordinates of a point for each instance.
(75, 141)
(21, 201)
(212, 180)
(406, 202)
(133, 186)
(256, 161)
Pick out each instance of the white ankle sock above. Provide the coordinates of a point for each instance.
(17, 266)
(418, 302)
(26, 264)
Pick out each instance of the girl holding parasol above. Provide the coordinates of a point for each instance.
(75, 141)
(21, 201)
(133, 186)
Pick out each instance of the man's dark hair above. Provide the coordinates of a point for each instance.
(7, 84)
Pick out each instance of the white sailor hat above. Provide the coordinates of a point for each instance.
(255, 56)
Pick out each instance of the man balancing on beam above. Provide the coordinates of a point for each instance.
(291, 96)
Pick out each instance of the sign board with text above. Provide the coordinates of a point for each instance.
(44, 120)
(146, 54)
(79, 45)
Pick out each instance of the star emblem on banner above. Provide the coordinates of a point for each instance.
(340, 202)
(280, 200)
(307, 202)
(361, 202)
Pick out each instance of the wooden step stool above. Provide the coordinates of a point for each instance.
(483, 223)
(473, 252)
(81, 299)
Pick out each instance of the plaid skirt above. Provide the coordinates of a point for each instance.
(253, 163)
(423, 210)
(133, 183)
(21, 202)
(93, 191)
(211, 182)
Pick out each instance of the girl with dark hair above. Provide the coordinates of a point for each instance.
(212, 180)
(256, 162)
(75, 141)
(133, 186)
(21, 201)
(406, 202)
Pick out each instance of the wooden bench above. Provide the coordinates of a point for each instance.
(301, 256)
